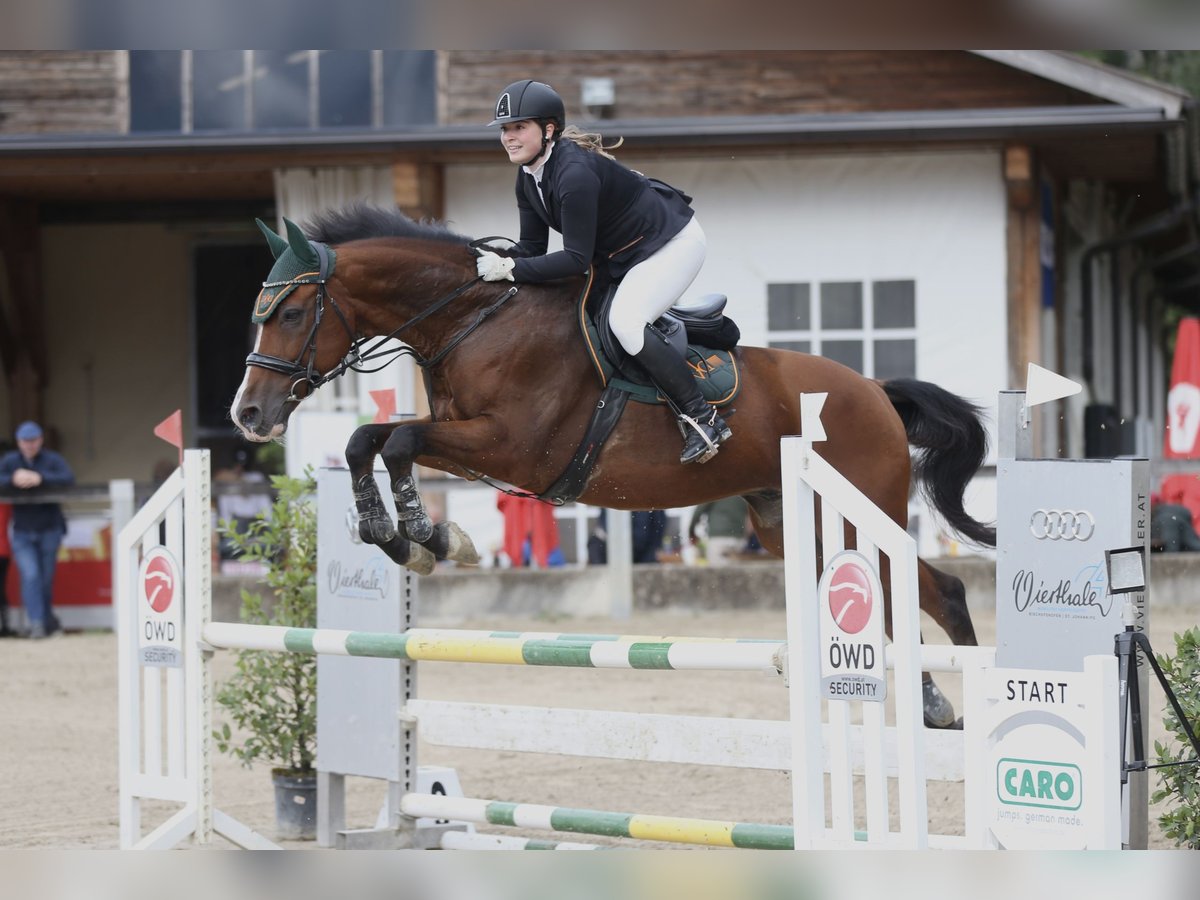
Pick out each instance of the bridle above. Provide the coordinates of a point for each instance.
(305, 363)
(303, 369)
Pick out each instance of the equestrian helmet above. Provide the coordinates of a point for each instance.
(529, 99)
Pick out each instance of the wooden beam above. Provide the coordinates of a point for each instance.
(419, 189)
(1024, 262)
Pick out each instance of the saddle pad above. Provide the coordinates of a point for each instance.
(715, 371)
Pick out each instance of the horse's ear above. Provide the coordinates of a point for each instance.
(277, 244)
(300, 245)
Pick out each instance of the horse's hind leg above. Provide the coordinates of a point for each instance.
(944, 598)
(941, 595)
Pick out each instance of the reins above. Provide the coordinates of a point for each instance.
(304, 365)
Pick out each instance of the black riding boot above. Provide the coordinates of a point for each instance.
(704, 430)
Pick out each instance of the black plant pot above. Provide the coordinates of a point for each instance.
(295, 804)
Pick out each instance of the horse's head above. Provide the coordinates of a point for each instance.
(297, 346)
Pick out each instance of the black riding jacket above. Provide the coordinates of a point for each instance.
(607, 214)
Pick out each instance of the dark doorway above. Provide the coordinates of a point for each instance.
(227, 278)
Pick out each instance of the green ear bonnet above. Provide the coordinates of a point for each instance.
(297, 262)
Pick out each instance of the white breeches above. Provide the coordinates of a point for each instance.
(654, 285)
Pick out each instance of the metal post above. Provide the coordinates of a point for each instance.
(121, 505)
(620, 562)
(1014, 430)
(198, 612)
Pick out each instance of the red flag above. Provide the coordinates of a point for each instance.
(170, 430)
(386, 401)
(1182, 440)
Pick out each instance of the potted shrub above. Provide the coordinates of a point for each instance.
(1179, 785)
(271, 698)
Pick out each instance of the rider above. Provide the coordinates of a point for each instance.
(643, 230)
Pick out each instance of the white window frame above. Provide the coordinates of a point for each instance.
(815, 335)
(250, 72)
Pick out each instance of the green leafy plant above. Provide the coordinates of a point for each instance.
(1180, 785)
(272, 697)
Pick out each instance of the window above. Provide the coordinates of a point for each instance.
(788, 310)
(155, 101)
(869, 326)
(250, 90)
(280, 89)
(218, 90)
(345, 88)
(409, 82)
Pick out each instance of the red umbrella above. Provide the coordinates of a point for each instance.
(1182, 439)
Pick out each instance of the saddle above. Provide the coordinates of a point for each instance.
(702, 334)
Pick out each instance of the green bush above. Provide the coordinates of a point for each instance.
(272, 697)
(1180, 785)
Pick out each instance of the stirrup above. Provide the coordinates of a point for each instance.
(713, 442)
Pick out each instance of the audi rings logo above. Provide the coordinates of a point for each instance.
(1062, 524)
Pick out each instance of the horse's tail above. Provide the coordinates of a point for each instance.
(948, 431)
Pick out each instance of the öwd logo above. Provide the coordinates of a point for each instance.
(1062, 524)
(159, 579)
(851, 598)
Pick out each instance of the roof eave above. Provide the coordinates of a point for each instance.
(1101, 81)
(928, 125)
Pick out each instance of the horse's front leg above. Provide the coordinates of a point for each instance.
(446, 540)
(374, 520)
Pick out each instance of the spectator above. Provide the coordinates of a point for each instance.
(725, 525)
(38, 528)
(648, 527)
(1171, 528)
(530, 532)
(241, 494)
(597, 542)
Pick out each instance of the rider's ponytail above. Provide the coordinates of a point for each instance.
(590, 141)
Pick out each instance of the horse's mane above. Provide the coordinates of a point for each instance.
(359, 221)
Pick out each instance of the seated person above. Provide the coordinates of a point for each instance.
(1171, 528)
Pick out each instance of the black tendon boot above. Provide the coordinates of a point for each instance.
(704, 430)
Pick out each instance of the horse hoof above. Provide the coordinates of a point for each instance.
(459, 546)
(420, 560)
(939, 712)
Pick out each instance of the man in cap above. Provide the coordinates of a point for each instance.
(37, 528)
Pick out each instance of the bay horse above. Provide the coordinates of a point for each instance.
(512, 390)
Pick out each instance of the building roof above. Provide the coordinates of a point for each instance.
(1102, 81)
(1129, 114)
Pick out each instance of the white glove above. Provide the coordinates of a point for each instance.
(493, 267)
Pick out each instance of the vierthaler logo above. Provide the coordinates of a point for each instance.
(1062, 525)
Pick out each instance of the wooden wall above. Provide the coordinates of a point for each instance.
(44, 91)
(724, 83)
